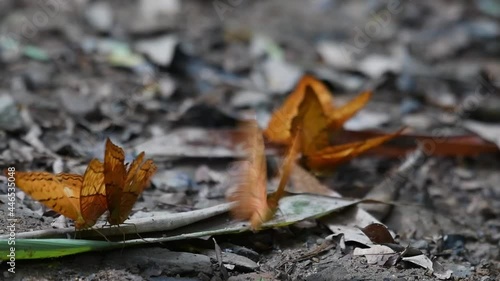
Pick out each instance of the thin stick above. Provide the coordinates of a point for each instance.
(388, 188)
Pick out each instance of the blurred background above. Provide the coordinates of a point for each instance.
(135, 68)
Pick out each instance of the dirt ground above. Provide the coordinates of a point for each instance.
(75, 72)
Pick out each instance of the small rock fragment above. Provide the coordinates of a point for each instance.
(234, 259)
(172, 198)
(160, 50)
(157, 261)
(281, 75)
(10, 117)
(100, 16)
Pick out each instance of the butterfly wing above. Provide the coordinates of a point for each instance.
(334, 155)
(313, 124)
(60, 193)
(134, 167)
(286, 169)
(93, 193)
(138, 178)
(114, 178)
(280, 128)
(338, 116)
(251, 181)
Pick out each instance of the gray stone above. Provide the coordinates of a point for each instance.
(157, 261)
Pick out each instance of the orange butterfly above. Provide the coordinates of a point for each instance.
(123, 186)
(81, 199)
(280, 126)
(250, 179)
(310, 106)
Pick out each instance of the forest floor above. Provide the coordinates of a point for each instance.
(75, 72)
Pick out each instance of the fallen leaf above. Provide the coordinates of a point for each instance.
(351, 234)
(440, 272)
(420, 260)
(207, 222)
(376, 254)
(378, 233)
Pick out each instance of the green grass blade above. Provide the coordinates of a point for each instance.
(50, 248)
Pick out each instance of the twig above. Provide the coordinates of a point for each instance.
(387, 189)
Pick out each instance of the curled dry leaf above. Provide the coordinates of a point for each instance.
(252, 202)
(81, 199)
(124, 185)
(378, 233)
(310, 106)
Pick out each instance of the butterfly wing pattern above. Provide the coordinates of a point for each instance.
(73, 196)
(123, 186)
(104, 186)
(311, 106)
(58, 192)
(93, 193)
(250, 180)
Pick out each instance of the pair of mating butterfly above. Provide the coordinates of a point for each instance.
(104, 186)
(304, 123)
